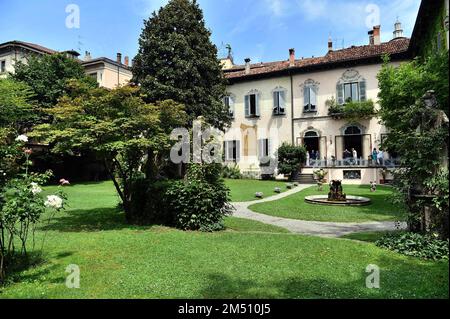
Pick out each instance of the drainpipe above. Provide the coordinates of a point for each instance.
(292, 107)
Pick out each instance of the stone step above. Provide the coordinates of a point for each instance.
(304, 179)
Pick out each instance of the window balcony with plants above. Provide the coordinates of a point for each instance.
(351, 110)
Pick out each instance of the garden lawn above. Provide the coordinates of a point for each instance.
(295, 207)
(120, 261)
(244, 190)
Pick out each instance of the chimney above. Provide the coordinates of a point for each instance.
(119, 58)
(291, 57)
(247, 66)
(330, 44)
(127, 61)
(87, 56)
(375, 35)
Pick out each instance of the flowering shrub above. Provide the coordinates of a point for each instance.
(21, 205)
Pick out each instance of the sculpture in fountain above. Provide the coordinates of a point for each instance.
(337, 197)
(336, 193)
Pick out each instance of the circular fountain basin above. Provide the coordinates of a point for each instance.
(351, 201)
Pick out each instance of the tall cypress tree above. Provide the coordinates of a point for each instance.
(178, 61)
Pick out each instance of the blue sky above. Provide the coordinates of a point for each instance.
(263, 30)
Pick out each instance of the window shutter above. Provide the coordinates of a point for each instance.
(227, 153)
(269, 150)
(260, 148)
(231, 102)
(247, 105)
(257, 105)
(282, 101)
(238, 151)
(362, 90)
(340, 93)
(313, 97)
(275, 100)
(306, 95)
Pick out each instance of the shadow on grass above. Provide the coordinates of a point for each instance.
(398, 279)
(18, 270)
(99, 219)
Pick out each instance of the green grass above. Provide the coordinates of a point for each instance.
(294, 207)
(120, 261)
(243, 190)
(245, 225)
(369, 237)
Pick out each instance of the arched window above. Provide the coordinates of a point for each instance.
(311, 142)
(311, 134)
(352, 130)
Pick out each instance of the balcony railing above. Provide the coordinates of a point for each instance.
(350, 162)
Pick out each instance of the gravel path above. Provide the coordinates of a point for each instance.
(321, 229)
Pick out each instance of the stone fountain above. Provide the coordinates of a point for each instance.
(337, 197)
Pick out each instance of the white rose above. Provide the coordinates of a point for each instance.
(22, 138)
(35, 189)
(54, 201)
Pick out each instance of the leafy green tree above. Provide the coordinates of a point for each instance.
(177, 60)
(129, 135)
(15, 107)
(47, 76)
(16, 112)
(419, 145)
(290, 159)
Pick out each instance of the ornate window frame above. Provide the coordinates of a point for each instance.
(349, 76)
(309, 83)
(258, 95)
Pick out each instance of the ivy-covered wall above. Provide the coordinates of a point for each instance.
(435, 39)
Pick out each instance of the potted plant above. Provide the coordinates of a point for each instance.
(320, 175)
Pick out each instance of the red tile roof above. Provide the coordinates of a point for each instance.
(31, 46)
(352, 54)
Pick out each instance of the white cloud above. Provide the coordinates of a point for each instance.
(347, 17)
(335, 13)
(276, 7)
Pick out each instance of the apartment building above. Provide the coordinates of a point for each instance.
(108, 73)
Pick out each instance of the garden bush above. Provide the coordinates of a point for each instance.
(149, 203)
(416, 245)
(201, 201)
(290, 159)
(231, 172)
